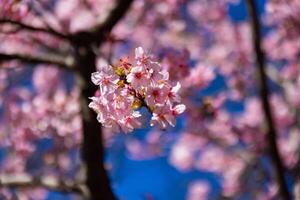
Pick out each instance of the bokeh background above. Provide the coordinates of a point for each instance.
(218, 149)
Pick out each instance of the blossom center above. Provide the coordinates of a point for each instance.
(155, 93)
(138, 75)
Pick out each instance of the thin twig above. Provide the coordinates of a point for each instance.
(63, 62)
(33, 28)
(264, 96)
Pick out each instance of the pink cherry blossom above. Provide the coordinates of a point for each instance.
(130, 86)
(173, 95)
(165, 115)
(105, 78)
(156, 95)
(141, 57)
(138, 77)
(129, 123)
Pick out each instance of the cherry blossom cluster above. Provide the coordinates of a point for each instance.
(125, 88)
(49, 111)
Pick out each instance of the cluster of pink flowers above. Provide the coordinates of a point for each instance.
(50, 111)
(125, 88)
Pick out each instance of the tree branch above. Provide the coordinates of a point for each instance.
(264, 96)
(115, 15)
(63, 62)
(104, 26)
(49, 183)
(26, 27)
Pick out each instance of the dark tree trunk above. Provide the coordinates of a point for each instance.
(92, 147)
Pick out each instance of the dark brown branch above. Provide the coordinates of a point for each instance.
(26, 27)
(264, 96)
(63, 62)
(115, 15)
(49, 183)
(100, 32)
